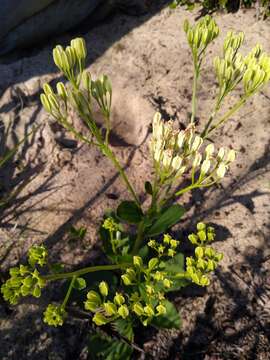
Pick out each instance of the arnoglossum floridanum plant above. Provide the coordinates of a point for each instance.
(147, 264)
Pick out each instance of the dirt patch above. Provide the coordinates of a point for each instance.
(64, 183)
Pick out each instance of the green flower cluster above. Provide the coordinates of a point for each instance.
(204, 234)
(233, 67)
(23, 281)
(174, 152)
(26, 280)
(206, 258)
(110, 224)
(54, 315)
(80, 91)
(106, 310)
(144, 299)
(201, 34)
(168, 246)
(37, 255)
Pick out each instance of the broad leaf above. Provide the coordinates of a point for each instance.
(170, 320)
(174, 265)
(166, 220)
(130, 212)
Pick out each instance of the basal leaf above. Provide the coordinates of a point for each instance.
(129, 212)
(166, 220)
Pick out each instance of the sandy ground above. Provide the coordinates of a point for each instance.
(63, 183)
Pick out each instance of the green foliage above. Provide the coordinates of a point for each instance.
(144, 259)
(166, 220)
(170, 319)
(130, 212)
(77, 233)
(104, 347)
(229, 5)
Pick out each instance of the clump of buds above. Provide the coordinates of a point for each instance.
(54, 315)
(206, 258)
(79, 92)
(26, 279)
(233, 67)
(175, 152)
(200, 35)
(167, 248)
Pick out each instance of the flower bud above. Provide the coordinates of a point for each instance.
(119, 299)
(197, 160)
(167, 283)
(138, 309)
(53, 102)
(161, 310)
(221, 170)
(126, 280)
(86, 80)
(209, 150)
(221, 154)
(205, 167)
(176, 162)
(71, 57)
(123, 311)
(153, 263)
(110, 308)
(57, 56)
(80, 48)
(45, 102)
(93, 300)
(199, 252)
(196, 143)
(47, 89)
(61, 91)
(148, 310)
(137, 261)
(99, 319)
(204, 281)
(103, 288)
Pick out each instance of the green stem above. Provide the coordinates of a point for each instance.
(194, 90)
(69, 291)
(139, 238)
(108, 152)
(186, 189)
(84, 271)
(227, 115)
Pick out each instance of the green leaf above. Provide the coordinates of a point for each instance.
(174, 265)
(125, 328)
(79, 284)
(144, 252)
(166, 220)
(170, 320)
(130, 212)
(106, 348)
(77, 233)
(148, 187)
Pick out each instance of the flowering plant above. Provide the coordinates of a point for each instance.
(145, 265)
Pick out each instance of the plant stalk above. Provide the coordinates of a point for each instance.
(84, 271)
